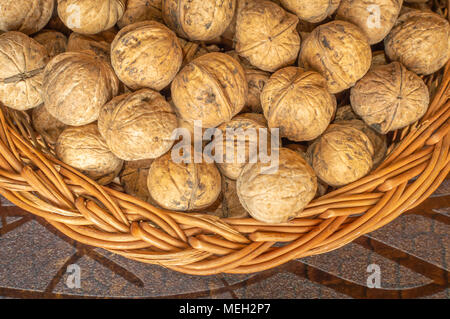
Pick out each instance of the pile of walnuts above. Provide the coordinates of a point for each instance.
(112, 87)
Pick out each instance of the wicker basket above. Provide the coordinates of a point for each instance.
(32, 178)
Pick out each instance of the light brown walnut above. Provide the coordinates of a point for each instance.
(22, 62)
(53, 41)
(99, 43)
(146, 54)
(141, 10)
(84, 149)
(299, 103)
(390, 97)
(276, 196)
(339, 51)
(311, 10)
(134, 178)
(46, 125)
(138, 125)
(76, 85)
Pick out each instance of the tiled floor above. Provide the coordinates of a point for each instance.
(413, 255)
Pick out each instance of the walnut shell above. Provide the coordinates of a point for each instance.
(134, 178)
(230, 206)
(183, 186)
(420, 41)
(146, 54)
(46, 125)
(311, 11)
(390, 97)
(299, 103)
(76, 85)
(232, 142)
(256, 80)
(275, 196)
(99, 43)
(53, 41)
(345, 113)
(342, 155)
(212, 88)
(378, 58)
(22, 61)
(141, 10)
(90, 16)
(138, 125)
(339, 51)
(374, 17)
(200, 20)
(192, 50)
(270, 47)
(379, 141)
(84, 149)
(26, 16)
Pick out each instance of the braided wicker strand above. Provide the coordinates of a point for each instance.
(33, 179)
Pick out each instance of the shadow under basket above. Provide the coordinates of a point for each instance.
(32, 178)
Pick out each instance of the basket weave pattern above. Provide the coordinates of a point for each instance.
(32, 178)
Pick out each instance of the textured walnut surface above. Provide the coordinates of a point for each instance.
(134, 178)
(46, 125)
(298, 102)
(390, 97)
(311, 11)
(99, 43)
(83, 148)
(420, 40)
(275, 196)
(76, 85)
(339, 51)
(53, 41)
(141, 10)
(22, 61)
(138, 125)
(212, 88)
(146, 54)
(266, 35)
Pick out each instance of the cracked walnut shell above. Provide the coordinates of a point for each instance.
(183, 186)
(339, 51)
(76, 85)
(266, 35)
(341, 155)
(212, 88)
(374, 17)
(146, 54)
(390, 97)
(90, 16)
(420, 41)
(277, 195)
(138, 125)
(312, 11)
(299, 103)
(83, 148)
(26, 16)
(22, 62)
(198, 20)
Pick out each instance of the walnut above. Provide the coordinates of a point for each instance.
(22, 61)
(270, 47)
(339, 51)
(419, 40)
(138, 125)
(232, 165)
(83, 148)
(198, 20)
(379, 141)
(374, 17)
(345, 113)
(183, 186)
(134, 178)
(26, 16)
(311, 11)
(277, 195)
(299, 103)
(146, 54)
(53, 41)
(192, 50)
(46, 125)
(99, 43)
(390, 97)
(230, 206)
(90, 16)
(141, 10)
(342, 155)
(76, 85)
(378, 58)
(212, 88)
